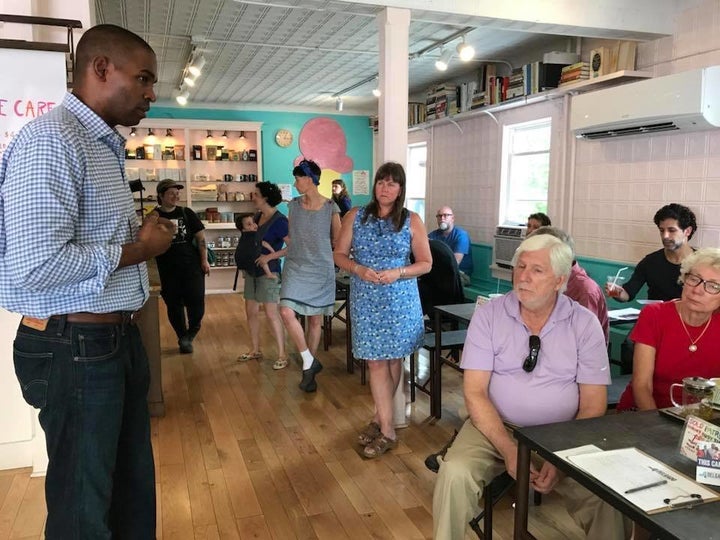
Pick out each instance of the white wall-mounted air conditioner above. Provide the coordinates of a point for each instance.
(687, 101)
(506, 240)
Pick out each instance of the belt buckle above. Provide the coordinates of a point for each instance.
(129, 317)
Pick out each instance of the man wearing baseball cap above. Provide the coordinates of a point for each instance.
(183, 267)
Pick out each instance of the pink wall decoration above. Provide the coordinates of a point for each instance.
(322, 140)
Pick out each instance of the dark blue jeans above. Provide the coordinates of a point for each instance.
(90, 382)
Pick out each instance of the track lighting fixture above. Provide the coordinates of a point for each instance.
(151, 132)
(225, 135)
(182, 98)
(465, 51)
(338, 104)
(197, 66)
(168, 132)
(132, 132)
(441, 64)
(242, 135)
(209, 134)
(190, 80)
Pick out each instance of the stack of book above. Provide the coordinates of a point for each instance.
(573, 73)
(441, 101)
(416, 113)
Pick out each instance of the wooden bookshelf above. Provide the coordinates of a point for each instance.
(611, 79)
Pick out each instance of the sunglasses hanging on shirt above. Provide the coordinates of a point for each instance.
(532, 357)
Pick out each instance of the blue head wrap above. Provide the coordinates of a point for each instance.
(305, 167)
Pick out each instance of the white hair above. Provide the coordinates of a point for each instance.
(561, 256)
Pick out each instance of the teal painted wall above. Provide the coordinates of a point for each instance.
(277, 162)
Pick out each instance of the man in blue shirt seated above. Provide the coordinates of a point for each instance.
(457, 239)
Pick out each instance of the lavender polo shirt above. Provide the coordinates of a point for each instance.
(573, 351)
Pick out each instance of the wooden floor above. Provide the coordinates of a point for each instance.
(242, 452)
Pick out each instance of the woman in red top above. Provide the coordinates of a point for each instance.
(677, 339)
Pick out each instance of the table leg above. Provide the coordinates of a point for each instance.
(522, 500)
(435, 375)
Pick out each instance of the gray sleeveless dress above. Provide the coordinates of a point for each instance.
(308, 278)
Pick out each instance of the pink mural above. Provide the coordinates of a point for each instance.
(323, 141)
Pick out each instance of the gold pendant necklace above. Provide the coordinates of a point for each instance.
(693, 347)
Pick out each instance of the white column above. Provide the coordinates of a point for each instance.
(393, 25)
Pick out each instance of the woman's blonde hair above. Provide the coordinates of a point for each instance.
(702, 257)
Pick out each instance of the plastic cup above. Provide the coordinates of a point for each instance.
(614, 284)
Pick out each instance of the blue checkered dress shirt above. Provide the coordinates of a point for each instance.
(65, 211)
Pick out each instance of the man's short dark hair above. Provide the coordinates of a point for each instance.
(682, 214)
(108, 40)
(542, 218)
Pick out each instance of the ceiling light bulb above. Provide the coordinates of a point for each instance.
(376, 92)
(465, 51)
(338, 104)
(441, 64)
(190, 81)
(132, 132)
(209, 134)
(182, 98)
(197, 66)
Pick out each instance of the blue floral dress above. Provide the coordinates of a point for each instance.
(387, 320)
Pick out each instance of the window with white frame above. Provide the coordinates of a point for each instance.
(525, 170)
(416, 177)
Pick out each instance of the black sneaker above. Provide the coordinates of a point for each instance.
(308, 379)
(431, 462)
(185, 344)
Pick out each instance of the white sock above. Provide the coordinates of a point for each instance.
(307, 359)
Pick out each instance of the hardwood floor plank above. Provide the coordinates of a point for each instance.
(12, 503)
(225, 518)
(177, 514)
(30, 519)
(327, 526)
(271, 504)
(254, 528)
(197, 481)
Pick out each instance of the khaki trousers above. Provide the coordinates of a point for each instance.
(472, 462)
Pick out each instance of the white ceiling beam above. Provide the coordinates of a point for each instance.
(643, 18)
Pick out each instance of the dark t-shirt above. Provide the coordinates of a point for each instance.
(181, 254)
(660, 275)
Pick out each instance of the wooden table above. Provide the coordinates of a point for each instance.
(648, 431)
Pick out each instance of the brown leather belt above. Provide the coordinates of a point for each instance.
(117, 317)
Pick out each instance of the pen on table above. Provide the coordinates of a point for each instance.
(646, 486)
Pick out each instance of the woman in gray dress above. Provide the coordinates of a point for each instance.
(308, 279)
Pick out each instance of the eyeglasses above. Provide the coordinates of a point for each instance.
(711, 287)
(531, 360)
(443, 215)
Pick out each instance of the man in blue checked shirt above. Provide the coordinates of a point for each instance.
(72, 263)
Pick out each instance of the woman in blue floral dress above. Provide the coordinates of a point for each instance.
(385, 307)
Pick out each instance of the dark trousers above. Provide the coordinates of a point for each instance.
(90, 382)
(182, 291)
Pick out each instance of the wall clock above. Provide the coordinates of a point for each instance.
(283, 137)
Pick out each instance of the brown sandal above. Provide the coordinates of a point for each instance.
(379, 446)
(369, 434)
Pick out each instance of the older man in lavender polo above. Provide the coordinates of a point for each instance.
(531, 357)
